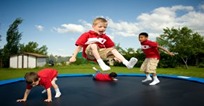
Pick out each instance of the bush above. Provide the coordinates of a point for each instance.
(79, 61)
(201, 65)
(167, 61)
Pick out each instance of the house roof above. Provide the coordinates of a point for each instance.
(33, 54)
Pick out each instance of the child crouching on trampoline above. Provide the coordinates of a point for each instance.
(97, 46)
(151, 61)
(46, 78)
(104, 77)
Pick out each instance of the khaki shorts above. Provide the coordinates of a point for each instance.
(103, 52)
(149, 65)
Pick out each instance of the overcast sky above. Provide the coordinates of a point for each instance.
(58, 23)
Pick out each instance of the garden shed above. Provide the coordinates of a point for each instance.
(27, 60)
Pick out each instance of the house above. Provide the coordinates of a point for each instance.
(27, 60)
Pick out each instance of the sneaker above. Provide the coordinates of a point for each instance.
(58, 94)
(154, 82)
(44, 91)
(147, 79)
(132, 62)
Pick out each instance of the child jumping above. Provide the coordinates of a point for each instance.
(46, 78)
(98, 46)
(151, 61)
(104, 77)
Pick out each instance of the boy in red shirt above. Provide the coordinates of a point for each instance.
(98, 46)
(104, 77)
(151, 61)
(46, 78)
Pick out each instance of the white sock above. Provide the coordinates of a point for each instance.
(148, 76)
(155, 78)
(100, 61)
(131, 63)
(103, 66)
(57, 90)
(125, 62)
(58, 93)
(155, 81)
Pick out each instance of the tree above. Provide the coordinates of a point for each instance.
(182, 41)
(128, 53)
(13, 38)
(120, 49)
(198, 44)
(0, 49)
(0, 41)
(1, 54)
(33, 48)
(0, 37)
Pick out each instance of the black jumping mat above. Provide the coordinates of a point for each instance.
(127, 91)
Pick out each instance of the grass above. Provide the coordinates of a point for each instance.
(7, 73)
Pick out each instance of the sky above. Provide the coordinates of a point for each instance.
(58, 23)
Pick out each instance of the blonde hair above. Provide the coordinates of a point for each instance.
(99, 19)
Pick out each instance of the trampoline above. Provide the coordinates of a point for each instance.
(81, 90)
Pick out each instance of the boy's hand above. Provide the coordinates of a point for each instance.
(114, 79)
(48, 100)
(171, 54)
(117, 59)
(21, 100)
(72, 59)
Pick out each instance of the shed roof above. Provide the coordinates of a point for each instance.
(33, 54)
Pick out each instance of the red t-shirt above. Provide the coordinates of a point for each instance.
(103, 77)
(150, 49)
(46, 76)
(103, 41)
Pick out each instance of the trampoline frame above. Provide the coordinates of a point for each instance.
(193, 79)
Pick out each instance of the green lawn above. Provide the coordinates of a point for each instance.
(87, 69)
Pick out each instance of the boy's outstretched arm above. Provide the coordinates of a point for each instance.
(94, 68)
(170, 53)
(27, 91)
(76, 51)
(49, 95)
